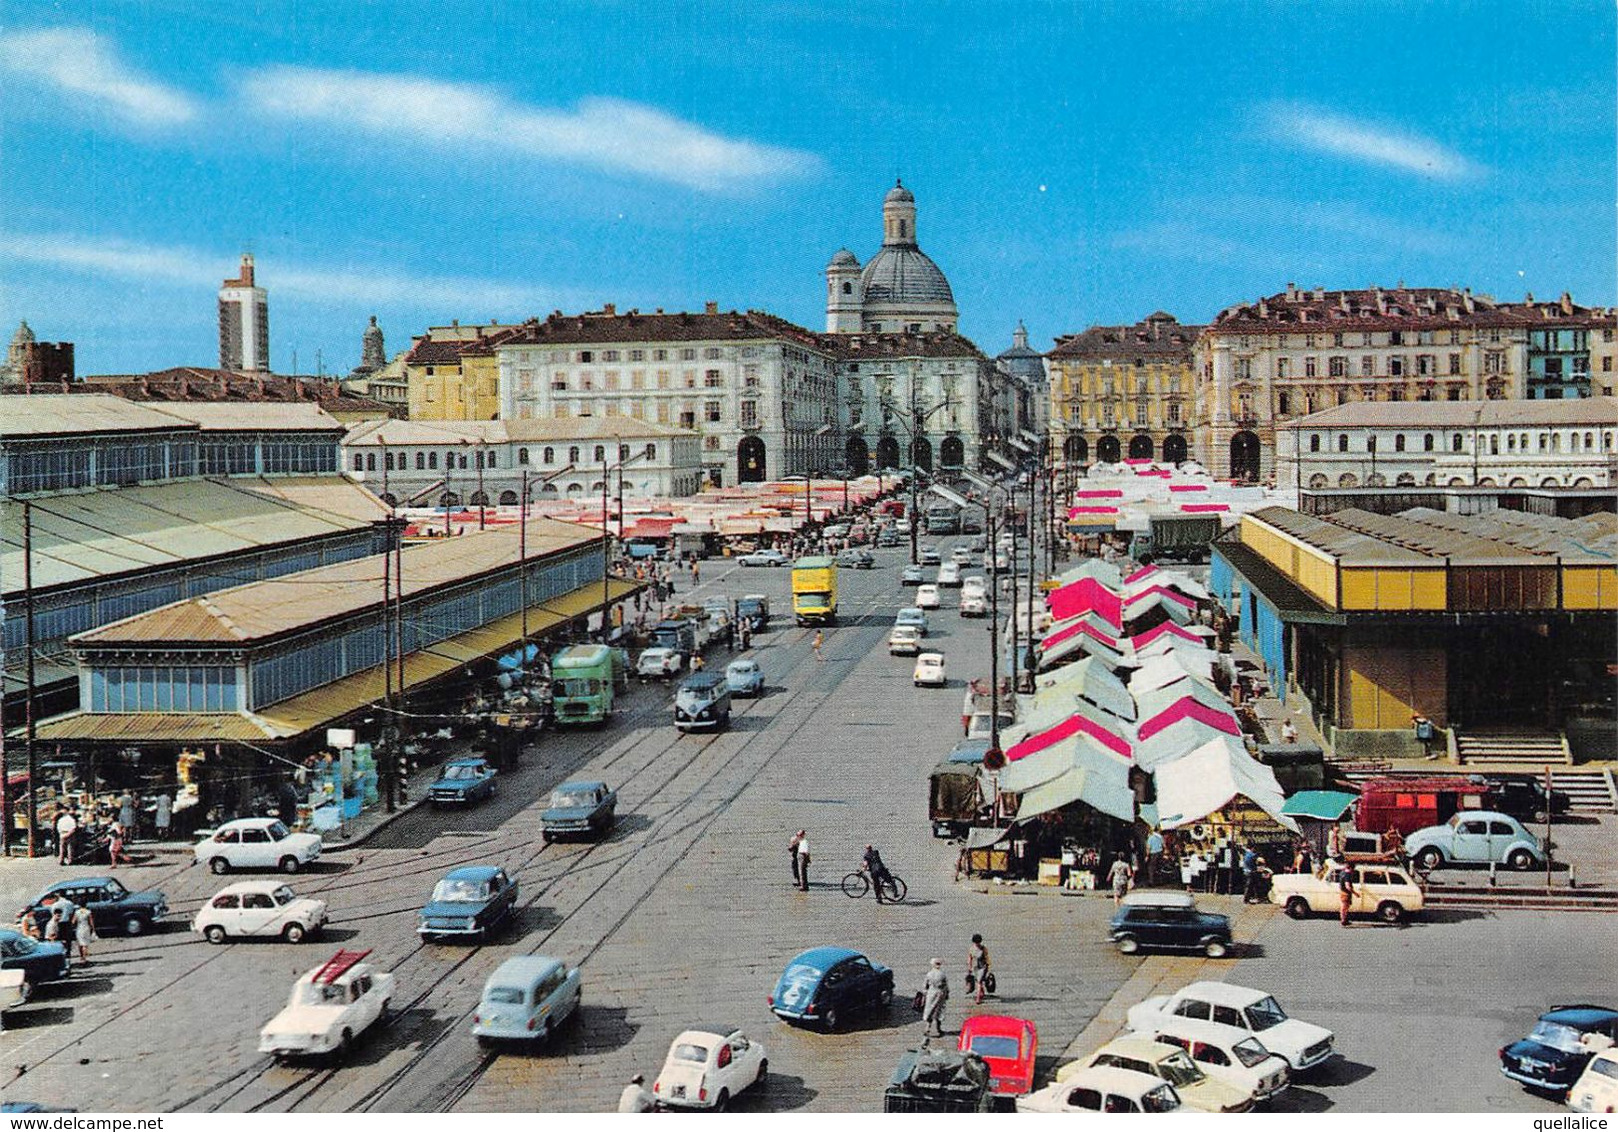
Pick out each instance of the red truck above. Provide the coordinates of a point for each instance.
(1409, 804)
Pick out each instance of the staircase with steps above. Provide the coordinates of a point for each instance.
(1534, 898)
(1513, 748)
(1590, 790)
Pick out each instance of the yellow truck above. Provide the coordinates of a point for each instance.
(814, 591)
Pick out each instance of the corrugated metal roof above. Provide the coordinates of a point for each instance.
(255, 416)
(1457, 544)
(1348, 547)
(64, 414)
(1464, 414)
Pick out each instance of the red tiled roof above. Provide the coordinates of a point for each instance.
(1156, 338)
(1398, 308)
(199, 383)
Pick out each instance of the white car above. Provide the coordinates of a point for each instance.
(330, 1007)
(256, 843)
(766, 557)
(927, 597)
(975, 583)
(902, 526)
(707, 1069)
(659, 664)
(904, 640)
(259, 908)
(1239, 1011)
(1239, 1061)
(949, 575)
(1198, 1090)
(1103, 1089)
(930, 670)
(961, 556)
(1383, 891)
(1597, 1089)
(974, 605)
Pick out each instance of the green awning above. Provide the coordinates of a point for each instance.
(1322, 805)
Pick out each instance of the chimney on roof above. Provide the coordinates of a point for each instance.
(1263, 309)
(659, 310)
(455, 322)
(1528, 298)
(710, 307)
(1292, 292)
(1320, 294)
(608, 309)
(1567, 303)
(478, 330)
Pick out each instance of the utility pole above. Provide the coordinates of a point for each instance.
(1014, 595)
(28, 645)
(402, 715)
(606, 556)
(994, 649)
(483, 499)
(390, 758)
(522, 569)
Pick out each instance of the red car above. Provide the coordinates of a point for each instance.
(1008, 1045)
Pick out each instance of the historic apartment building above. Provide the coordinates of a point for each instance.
(1262, 364)
(1123, 392)
(451, 372)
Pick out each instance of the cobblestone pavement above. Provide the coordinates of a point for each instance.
(685, 915)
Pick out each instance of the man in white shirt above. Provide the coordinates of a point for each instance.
(66, 826)
(635, 1098)
(803, 862)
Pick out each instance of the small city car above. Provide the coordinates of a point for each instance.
(904, 640)
(259, 908)
(702, 702)
(1104, 1090)
(826, 985)
(1238, 1012)
(1008, 1045)
(40, 961)
(462, 782)
(1380, 890)
(961, 556)
(113, 908)
(912, 616)
(912, 576)
(754, 609)
(949, 575)
(256, 843)
(930, 670)
(1238, 1060)
(744, 677)
(765, 557)
(1524, 798)
(658, 664)
(1597, 1089)
(927, 597)
(1560, 1045)
(330, 1007)
(973, 605)
(1198, 1091)
(526, 999)
(582, 808)
(471, 902)
(1169, 921)
(708, 1067)
(1476, 837)
(930, 556)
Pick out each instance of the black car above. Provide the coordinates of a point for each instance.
(938, 1080)
(857, 559)
(40, 961)
(825, 985)
(113, 908)
(1170, 921)
(1552, 1057)
(1523, 797)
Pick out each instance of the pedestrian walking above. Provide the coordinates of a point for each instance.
(84, 932)
(1289, 732)
(115, 846)
(977, 969)
(635, 1098)
(164, 818)
(934, 994)
(126, 814)
(1154, 854)
(792, 854)
(968, 705)
(1249, 875)
(803, 861)
(1118, 876)
(54, 926)
(67, 826)
(820, 639)
(1345, 895)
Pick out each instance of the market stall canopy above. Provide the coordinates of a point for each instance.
(1168, 705)
(1179, 739)
(981, 837)
(1174, 633)
(1104, 572)
(1077, 724)
(1179, 608)
(1084, 644)
(954, 497)
(1322, 805)
(1084, 596)
(1093, 776)
(1092, 681)
(1161, 669)
(1195, 785)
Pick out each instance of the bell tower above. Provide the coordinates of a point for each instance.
(899, 217)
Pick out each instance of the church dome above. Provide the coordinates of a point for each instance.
(24, 334)
(899, 194)
(844, 258)
(899, 274)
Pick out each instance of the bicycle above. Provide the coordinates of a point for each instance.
(857, 883)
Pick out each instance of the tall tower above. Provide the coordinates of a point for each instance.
(244, 322)
(899, 218)
(845, 294)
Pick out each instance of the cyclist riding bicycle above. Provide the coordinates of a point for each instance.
(871, 864)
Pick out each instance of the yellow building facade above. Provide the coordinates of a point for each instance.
(1123, 392)
(453, 373)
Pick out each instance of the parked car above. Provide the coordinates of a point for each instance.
(904, 640)
(912, 576)
(929, 670)
(766, 557)
(1008, 1045)
(1596, 1090)
(902, 525)
(929, 1079)
(113, 908)
(587, 808)
(659, 664)
(257, 843)
(754, 609)
(744, 677)
(930, 556)
(1240, 1011)
(949, 575)
(1238, 1060)
(462, 782)
(708, 1068)
(1144, 1054)
(702, 702)
(961, 556)
(1104, 1090)
(259, 908)
(1170, 921)
(1383, 891)
(40, 961)
(1555, 1052)
(912, 616)
(1523, 797)
(826, 985)
(526, 999)
(928, 597)
(14, 992)
(888, 539)
(973, 605)
(472, 901)
(1476, 837)
(330, 1007)
(975, 583)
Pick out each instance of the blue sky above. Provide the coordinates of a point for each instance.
(1073, 163)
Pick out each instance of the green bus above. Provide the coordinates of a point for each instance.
(583, 680)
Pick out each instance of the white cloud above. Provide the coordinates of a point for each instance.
(75, 62)
(1374, 144)
(601, 133)
(190, 267)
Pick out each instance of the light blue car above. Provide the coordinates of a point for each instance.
(744, 677)
(914, 617)
(526, 999)
(1475, 837)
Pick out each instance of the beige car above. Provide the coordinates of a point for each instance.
(904, 640)
(1381, 890)
(1197, 1090)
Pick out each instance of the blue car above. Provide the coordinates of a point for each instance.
(1552, 1057)
(462, 782)
(39, 961)
(744, 677)
(586, 809)
(826, 985)
(113, 908)
(472, 901)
